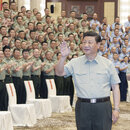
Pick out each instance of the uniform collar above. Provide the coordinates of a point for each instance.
(96, 60)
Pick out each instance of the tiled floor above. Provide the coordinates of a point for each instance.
(66, 121)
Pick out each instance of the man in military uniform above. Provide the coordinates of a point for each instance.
(28, 64)
(9, 63)
(47, 73)
(17, 75)
(36, 72)
(3, 92)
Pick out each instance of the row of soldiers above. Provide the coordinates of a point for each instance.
(14, 69)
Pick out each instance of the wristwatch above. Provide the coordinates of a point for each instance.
(117, 109)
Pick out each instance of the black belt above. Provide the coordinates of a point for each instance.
(27, 76)
(17, 77)
(36, 76)
(2, 80)
(8, 76)
(94, 100)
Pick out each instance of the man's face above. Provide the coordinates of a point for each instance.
(33, 34)
(36, 53)
(5, 41)
(73, 14)
(13, 6)
(5, 6)
(19, 20)
(25, 55)
(6, 14)
(29, 13)
(3, 31)
(18, 44)
(124, 50)
(7, 53)
(94, 16)
(49, 56)
(63, 13)
(12, 33)
(47, 12)
(90, 46)
(117, 20)
(84, 16)
(17, 54)
(35, 11)
(45, 46)
(31, 26)
(60, 37)
(115, 56)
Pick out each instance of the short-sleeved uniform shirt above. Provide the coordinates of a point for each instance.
(92, 79)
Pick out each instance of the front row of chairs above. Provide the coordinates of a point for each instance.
(26, 114)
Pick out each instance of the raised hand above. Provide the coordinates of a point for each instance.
(64, 49)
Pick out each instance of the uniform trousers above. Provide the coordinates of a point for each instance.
(8, 79)
(123, 86)
(37, 84)
(93, 116)
(3, 96)
(59, 80)
(69, 88)
(20, 90)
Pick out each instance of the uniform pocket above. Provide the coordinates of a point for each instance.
(82, 77)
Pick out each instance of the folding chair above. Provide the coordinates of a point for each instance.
(42, 106)
(22, 114)
(6, 120)
(59, 103)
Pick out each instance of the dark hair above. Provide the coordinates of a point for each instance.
(4, 37)
(10, 29)
(23, 7)
(48, 16)
(44, 42)
(32, 31)
(58, 53)
(6, 10)
(92, 34)
(52, 41)
(16, 49)
(6, 47)
(70, 34)
(4, 3)
(117, 24)
(50, 33)
(2, 27)
(25, 50)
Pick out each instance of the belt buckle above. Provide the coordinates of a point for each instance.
(93, 100)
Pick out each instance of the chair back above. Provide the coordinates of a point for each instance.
(51, 87)
(11, 93)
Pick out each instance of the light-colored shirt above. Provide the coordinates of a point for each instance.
(92, 79)
(123, 65)
(128, 71)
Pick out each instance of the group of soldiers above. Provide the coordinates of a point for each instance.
(30, 48)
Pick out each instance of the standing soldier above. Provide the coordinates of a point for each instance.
(28, 65)
(10, 64)
(47, 73)
(17, 75)
(36, 71)
(3, 92)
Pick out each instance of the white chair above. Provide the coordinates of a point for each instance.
(22, 114)
(60, 104)
(42, 106)
(128, 92)
(6, 121)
